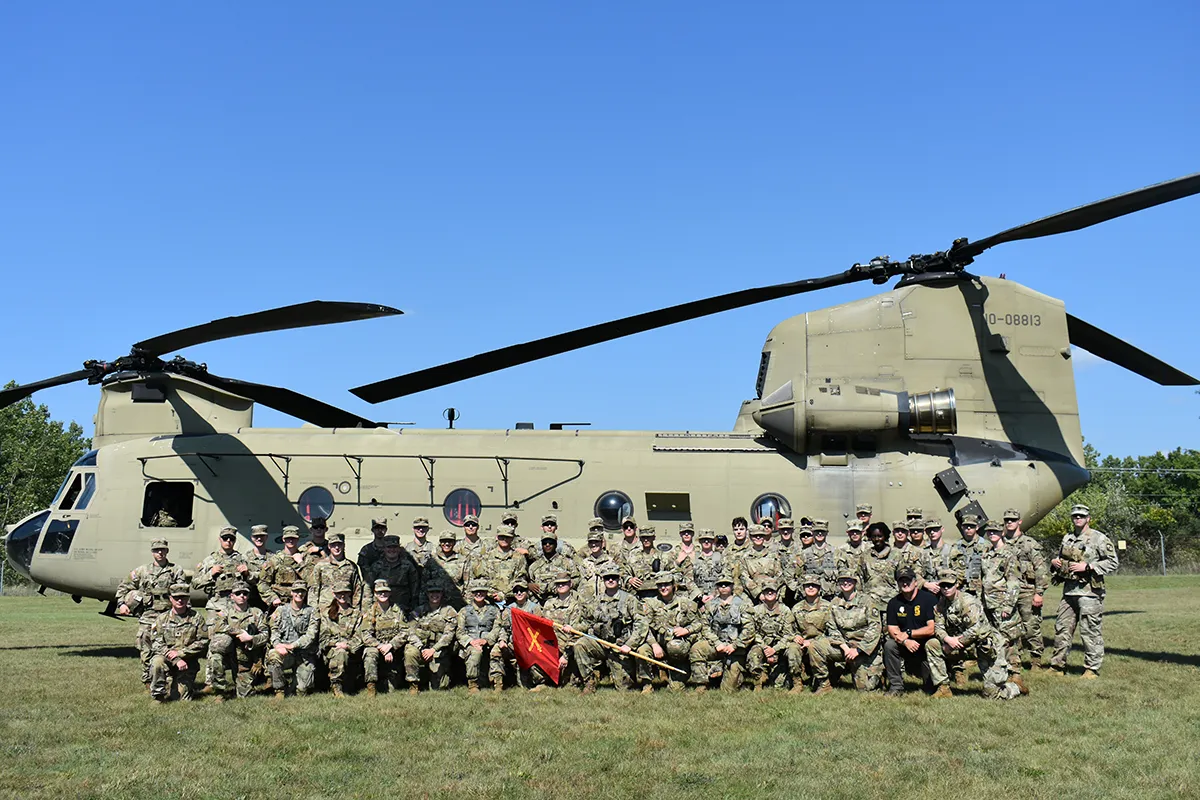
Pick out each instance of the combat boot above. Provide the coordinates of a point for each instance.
(280, 694)
(472, 687)
(943, 691)
(701, 689)
(1018, 681)
(1057, 670)
(414, 689)
(498, 686)
(371, 689)
(337, 690)
(825, 687)
(1090, 675)
(647, 688)
(760, 682)
(589, 686)
(960, 680)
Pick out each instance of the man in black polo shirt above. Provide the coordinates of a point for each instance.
(909, 626)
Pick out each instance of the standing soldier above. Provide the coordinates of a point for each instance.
(758, 563)
(772, 626)
(681, 558)
(577, 655)
(591, 583)
(707, 566)
(318, 545)
(448, 569)
(642, 566)
(295, 629)
(246, 628)
(906, 552)
(541, 570)
(1035, 580)
(472, 545)
(726, 633)
(500, 565)
(968, 554)
(628, 543)
(178, 639)
(420, 548)
(520, 543)
(961, 630)
(282, 570)
(435, 624)
(824, 557)
(215, 576)
(786, 543)
(550, 526)
(811, 615)
(373, 550)
(341, 635)
(862, 514)
(336, 569)
(389, 645)
(877, 569)
(477, 632)
(940, 556)
(256, 558)
(849, 556)
(739, 540)
(851, 637)
(618, 619)
(1001, 578)
(914, 515)
(523, 600)
(400, 572)
(147, 593)
(1083, 560)
(673, 629)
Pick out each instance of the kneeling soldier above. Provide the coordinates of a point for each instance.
(674, 629)
(435, 625)
(851, 638)
(618, 620)
(811, 614)
(245, 627)
(341, 636)
(477, 631)
(726, 635)
(578, 656)
(388, 641)
(179, 638)
(294, 631)
(771, 628)
(962, 631)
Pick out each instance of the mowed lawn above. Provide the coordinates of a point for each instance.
(75, 723)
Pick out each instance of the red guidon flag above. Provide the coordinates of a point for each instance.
(534, 642)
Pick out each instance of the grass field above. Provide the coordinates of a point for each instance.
(75, 723)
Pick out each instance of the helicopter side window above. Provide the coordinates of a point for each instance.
(611, 507)
(58, 537)
(72, 494)
(89, 489)
(168, 504)
(459, 504)
(770, 506)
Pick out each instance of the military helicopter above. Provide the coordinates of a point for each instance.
(952, 391)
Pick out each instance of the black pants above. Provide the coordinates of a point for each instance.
(897, 660)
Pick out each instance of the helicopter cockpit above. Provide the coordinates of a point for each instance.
(59, 522)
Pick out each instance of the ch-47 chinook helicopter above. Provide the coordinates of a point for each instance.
(952, 392)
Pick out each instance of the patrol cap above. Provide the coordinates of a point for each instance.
(905, 574)
(932, 523)
(510, 517)
(180, 590)
(900, 524)
(768, 584)
(993, 526)
(968, 519)
(759, 529)
(1011, 513)
(470, 519)
(337, 537)
(864, 508)
(811, 579)
(550, 519)
(549, 536)
(595, 535)
(380, 522)
(847, 575)
(382, 585)
(159, 544)
(240, 586)
(391, 539)
(646, 532)
(687, 527)
(258, 530)
(706, 533)
(950, 578)
(420, 522)
(506, 532)
(914, 512)
(342, 587)
(608, 569)
(595, 524)
(229, 529)
(785, 523)
(562, 577)
(448, 536)
(853, 525)
(820, 531)
(628, 519)
(1080, 508)
(664, 578)
(806, 532)
(724, 577)
(518, 583)
(300, 586)
(434, 586)
(478, 585)
(823, 525)
(291, 532)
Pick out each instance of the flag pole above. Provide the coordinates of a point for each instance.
(617, 647)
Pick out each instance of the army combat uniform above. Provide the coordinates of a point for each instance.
(242, 656)
(581, 653)
(618, 619)
(479, 622)
(773, 628)
(964, 617)
(389, 626)
(1034, 572)
(662, 618)
(1083, 597)
(300, 627)
(1000, 583)
(726, 622)
(435, 629)
(854, 622)
(147, 592)
(186, 635)
(341, 626)
(810, 620)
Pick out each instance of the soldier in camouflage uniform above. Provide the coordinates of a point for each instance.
(435, 624)
(472, 545)
(336, 569)
(757, 564)
(852, 637)
(341, 638)
(877, 570)
(520, 543)
(968, 553)
(643, 565)
(525, 678)
(420, 548)
(1001, 582)
(961, 632)
(628, 542)
(448, 569)
(811, 614)
(726, 635)
(550, 528)
(785, 543)
(849, 556)
(550, 562)
(147, 593)
(739, 538)
(578, 656)
(400, 571)
(862, 515)
(295, 632)
(913, 515)
(673, 629)
(256, 558)
(681, 559)
(500, 565)
(246, 629)
(938, 557)
(618, 619)
(824, 559)
(178, 640)
(477, 632)
(906, 552)
(282, 570)
(215, 576)
(591, 583)
(318, 544)
(1035, 580)
(373, 550)
(771, 627)
(389, 645)
(707, 565)
(1083, 560)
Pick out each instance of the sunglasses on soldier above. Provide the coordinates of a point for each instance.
(240, 593)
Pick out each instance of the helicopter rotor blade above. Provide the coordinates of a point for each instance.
(1091, 214)
(14, 394)
(1104, 345)
(301, 315)
(294, 404)
(513, 355)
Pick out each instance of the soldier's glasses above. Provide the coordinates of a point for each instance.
(228, 538)
(240, 594)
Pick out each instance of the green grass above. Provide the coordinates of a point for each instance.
(74, 722)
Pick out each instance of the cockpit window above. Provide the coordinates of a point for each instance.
(88, 459)
(89, 489)
(72, 494)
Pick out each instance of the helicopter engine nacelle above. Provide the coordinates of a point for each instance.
(790, 416)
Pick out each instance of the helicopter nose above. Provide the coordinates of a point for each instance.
(21, 541)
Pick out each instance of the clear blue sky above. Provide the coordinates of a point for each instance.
(507, 171)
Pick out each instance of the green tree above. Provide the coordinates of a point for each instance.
(35, 454)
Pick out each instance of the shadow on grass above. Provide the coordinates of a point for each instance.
(88, 651)
(1158, 656)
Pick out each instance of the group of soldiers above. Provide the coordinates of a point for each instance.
(770, 605)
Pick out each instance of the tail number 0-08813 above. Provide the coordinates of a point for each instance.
(1027, 320)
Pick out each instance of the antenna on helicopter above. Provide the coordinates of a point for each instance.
(450, 414)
